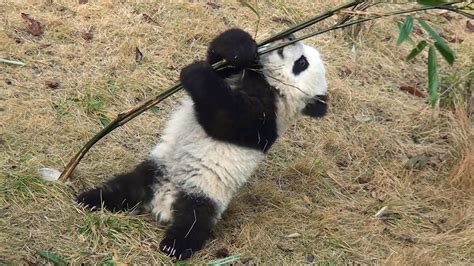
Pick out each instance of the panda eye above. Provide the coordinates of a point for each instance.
(300, 65)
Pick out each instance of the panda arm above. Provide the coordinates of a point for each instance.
(213, 97)
(204, 85)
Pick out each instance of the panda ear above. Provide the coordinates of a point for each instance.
(316, 107)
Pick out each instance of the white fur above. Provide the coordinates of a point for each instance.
(295, 90)
(160, 205)
(200, 164)
(197, 163)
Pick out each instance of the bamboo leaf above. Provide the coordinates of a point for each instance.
(446, 51)
(405, 30)
(433, 80)
(431, 2)
(51, 257)
(447, 54)
(155, 109)
(409, 39)
(421, 45)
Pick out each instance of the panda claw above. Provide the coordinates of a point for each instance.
(173, 252)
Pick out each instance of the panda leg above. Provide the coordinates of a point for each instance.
(193, 218)
(125, 191)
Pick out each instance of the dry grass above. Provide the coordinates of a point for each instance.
(324, 179)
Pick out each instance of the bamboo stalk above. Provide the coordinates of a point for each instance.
(310, 22)
(340, 26)
(123, 118)
(120, 120)
(128, 115)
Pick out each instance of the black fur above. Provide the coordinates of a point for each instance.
(300, 65)
(125, 191)
(193, 216)
(317, 107)
(235, 46)
(243, 116)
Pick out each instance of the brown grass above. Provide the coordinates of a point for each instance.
(324, 179)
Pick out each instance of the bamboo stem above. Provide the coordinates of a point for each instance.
(340, 26)
(310, 22)
(125, 117)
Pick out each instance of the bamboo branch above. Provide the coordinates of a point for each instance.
(340, 26)
(124, 117)
(310, 22)
(120, 120)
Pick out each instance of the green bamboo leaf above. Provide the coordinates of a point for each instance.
(51, 257)
(421, 45)
(409, 39)
(446, 51)
(433, 80)
(431, 2)
(405, 30)
(447, 55)
(155, 109)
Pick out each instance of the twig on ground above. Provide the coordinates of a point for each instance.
(12, 62)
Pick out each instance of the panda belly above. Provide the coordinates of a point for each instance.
(195, 163)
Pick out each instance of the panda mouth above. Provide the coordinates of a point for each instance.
(321, 98)
(316, 107)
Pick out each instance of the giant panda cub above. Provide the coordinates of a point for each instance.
(213, 142)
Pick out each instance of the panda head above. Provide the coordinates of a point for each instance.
(297, 72)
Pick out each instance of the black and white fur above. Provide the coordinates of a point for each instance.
(216, 138)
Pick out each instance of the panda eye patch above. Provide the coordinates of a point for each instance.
(300, 65)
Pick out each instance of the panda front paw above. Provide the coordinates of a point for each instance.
(235, 46)
(195, 73)
(180, 248)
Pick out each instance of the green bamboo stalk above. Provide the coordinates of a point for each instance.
(124, 117)
(120, 120)
(350, 24)
(310, 22)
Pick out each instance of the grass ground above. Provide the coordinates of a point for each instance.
(321, 184)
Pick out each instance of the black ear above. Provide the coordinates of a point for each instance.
(316, 107)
